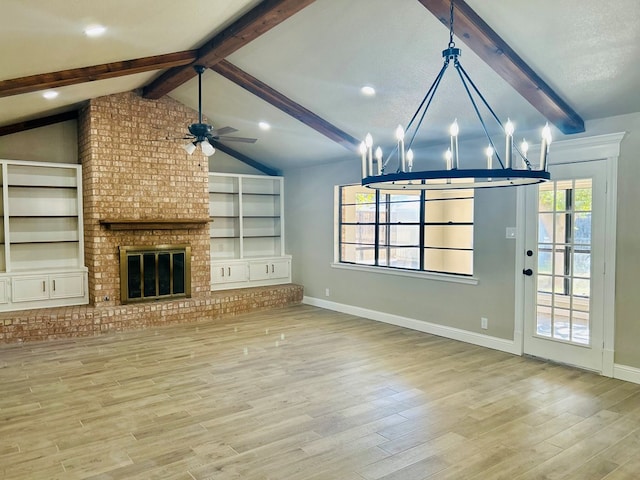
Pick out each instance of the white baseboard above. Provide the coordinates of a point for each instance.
(419, 325)
(623, 372)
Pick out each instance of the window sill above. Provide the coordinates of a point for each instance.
(440, 277)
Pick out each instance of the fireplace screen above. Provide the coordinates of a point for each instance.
(155, 273)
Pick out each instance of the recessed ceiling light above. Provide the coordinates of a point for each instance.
(50, 94)
(264, 126)
(95, 30)
(368, 91)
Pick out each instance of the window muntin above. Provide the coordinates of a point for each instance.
(428, 230)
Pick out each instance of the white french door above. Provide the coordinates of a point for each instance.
(564, 265)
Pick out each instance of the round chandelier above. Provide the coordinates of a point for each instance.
(507, 166)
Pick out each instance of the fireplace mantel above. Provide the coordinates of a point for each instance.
(154, 223)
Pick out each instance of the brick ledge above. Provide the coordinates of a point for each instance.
(87, 320)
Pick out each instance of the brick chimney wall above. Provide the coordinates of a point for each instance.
(131, 171)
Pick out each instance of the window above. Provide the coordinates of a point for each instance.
(424, 230)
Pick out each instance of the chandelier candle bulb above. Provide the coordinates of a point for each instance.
(448, 156)
(401, 153)
(410, 159)
(454, 130)
(508, 128)
(489, 152)
(524, 148)
(368, 140)
(544, 147)
(363, 154)
(379, 160)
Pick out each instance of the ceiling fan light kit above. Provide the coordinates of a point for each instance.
(204, 134)
(512, 168)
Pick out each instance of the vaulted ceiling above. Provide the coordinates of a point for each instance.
(299, 64)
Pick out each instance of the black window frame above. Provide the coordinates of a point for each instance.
(384, 198)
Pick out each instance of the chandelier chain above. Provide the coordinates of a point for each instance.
(451, 42)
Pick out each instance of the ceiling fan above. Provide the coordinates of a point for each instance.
(204, 134)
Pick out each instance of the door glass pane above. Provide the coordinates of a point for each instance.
(562, 228)
(545, 227)
(582, 228)
(564, 261)
(543, 326)
(544, 284)
(544, 261)
(580, 327)
(581, 264)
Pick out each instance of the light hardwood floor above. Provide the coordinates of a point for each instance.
(305, 393)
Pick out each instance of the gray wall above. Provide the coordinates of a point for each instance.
(310, 218)
(55, 143)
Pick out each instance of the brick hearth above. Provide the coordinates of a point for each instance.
(86, 320)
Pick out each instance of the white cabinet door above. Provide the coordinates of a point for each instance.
(30, 288)
(229, 272)
(66, 285)
(259, 270)
(268, 269)
(280, 269)
(4, 297)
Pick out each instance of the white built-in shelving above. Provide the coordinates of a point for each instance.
(247, 231)
(41, 241)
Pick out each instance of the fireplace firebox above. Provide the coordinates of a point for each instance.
(154, 273)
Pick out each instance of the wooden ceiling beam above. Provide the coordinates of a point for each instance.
(288, 106)
(38, 122)
(491, 48)
(63, 78)
(250, 26)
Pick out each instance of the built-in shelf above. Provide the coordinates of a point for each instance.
(154, 224)
(41, 246)
(247, 238)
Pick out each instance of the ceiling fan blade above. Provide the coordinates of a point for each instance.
(224, 130)
(237, 139)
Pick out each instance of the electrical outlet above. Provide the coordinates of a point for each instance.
(326, 292)
(484, 323)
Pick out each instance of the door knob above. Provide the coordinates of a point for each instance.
(528, 272)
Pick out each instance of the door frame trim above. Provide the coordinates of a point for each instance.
(585, 149)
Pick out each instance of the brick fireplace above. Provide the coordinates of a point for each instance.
(141, 190)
